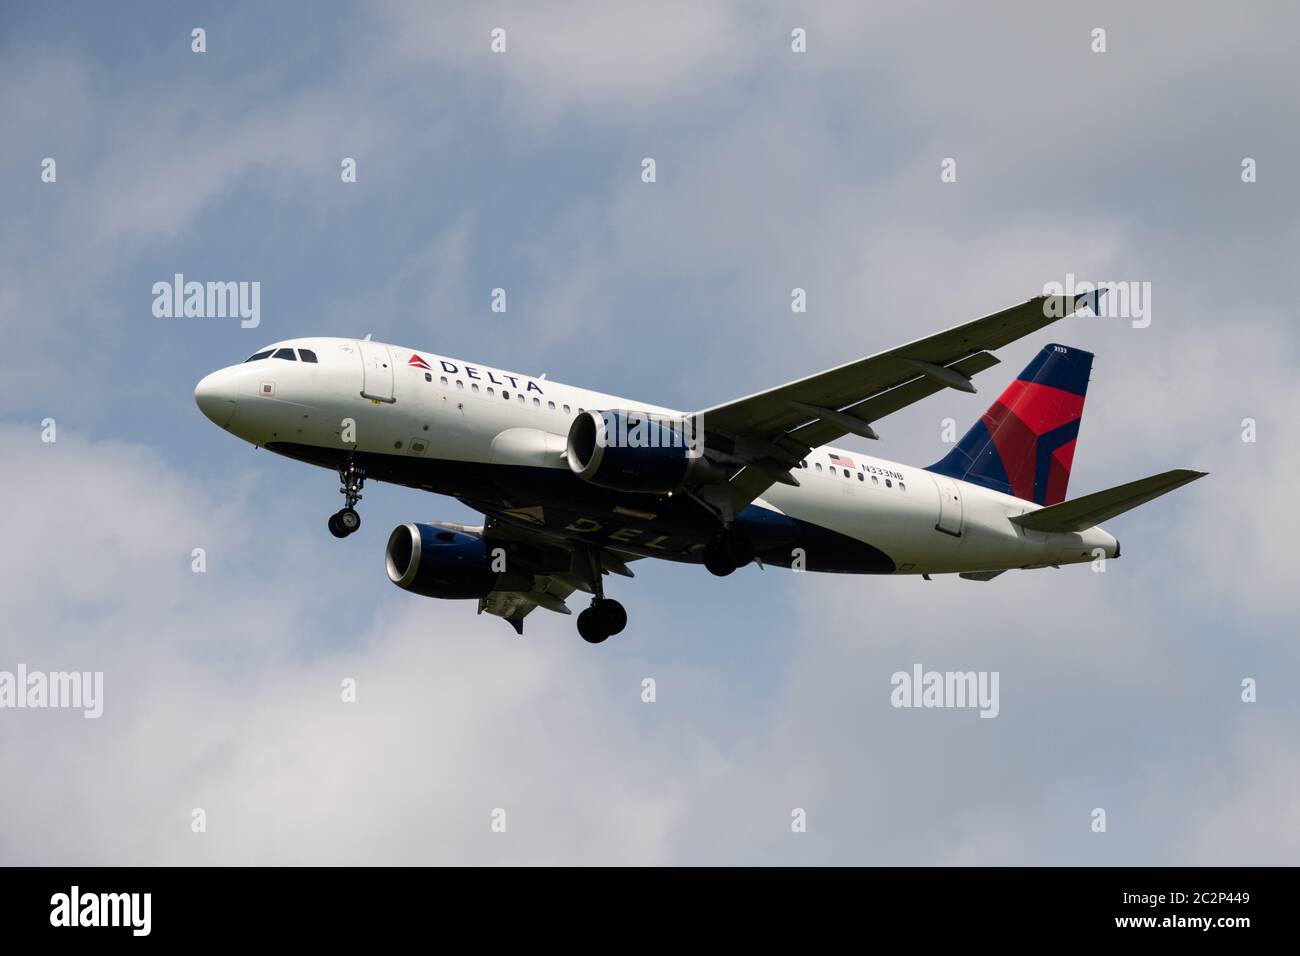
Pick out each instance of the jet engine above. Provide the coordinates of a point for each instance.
(638, 452)
(445, 562)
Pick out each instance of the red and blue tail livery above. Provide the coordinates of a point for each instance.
(1024, 444)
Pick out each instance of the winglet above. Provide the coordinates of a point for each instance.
(1091, 299)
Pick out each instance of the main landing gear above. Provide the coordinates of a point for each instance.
(345, 522)
(606, 617)
(730, 550)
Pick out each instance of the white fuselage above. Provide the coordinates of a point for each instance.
(367, 397)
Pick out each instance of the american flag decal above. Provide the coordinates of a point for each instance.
(844, 461)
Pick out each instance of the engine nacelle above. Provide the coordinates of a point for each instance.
(440, 562)
(639, 452)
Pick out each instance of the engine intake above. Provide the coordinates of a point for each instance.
(439, 562)
(638, 451)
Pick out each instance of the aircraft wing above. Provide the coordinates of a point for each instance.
(542, 570)
(769, 432)
(514, 606)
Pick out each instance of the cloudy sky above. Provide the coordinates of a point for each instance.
(521, 170)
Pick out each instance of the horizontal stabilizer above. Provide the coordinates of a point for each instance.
(1080, 514)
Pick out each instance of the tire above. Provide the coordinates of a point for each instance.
(348, 520)
(612, 616)
(589, 627)
(335, 530)
(716, 561)
(738, 549)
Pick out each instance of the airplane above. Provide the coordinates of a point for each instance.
(575, 485)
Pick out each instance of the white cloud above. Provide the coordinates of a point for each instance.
(598, 57)
(210, 700)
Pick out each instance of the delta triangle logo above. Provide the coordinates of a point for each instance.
(417, 362)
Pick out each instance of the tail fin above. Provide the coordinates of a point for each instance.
(1024, 444)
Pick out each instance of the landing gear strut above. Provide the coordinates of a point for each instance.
(730, 550)
(351, 477)
(606, 617)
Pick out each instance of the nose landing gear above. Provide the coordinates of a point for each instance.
(345, 522)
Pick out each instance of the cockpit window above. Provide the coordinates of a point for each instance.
(286, 354)
(307, 355)
(259, 355)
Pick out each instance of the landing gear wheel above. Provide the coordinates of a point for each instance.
(727, 552)
(611, 614)
(348, 520)
(590, 626)
(737, 548)
(716, 561)
(334, 527)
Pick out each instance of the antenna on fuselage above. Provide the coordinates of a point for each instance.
(367, 338)
(542, 377)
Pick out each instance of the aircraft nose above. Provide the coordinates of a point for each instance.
(215, 395)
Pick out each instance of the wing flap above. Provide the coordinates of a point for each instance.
(559, 568)
(872, 409)
(514, 606)
(749, 483)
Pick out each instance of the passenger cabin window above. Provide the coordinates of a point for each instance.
(443, 380)
(474, 387)
(818, 466)
(537, 403)
(307, 355)
(550, 406)
(875, 480)
(847, 473)
(491, 391)
(286, 354)
(259, 355)
(566, 407)
(901, 486)
(519, 397)
(860, 478)
(428, 377)
(888, 483)
(505, 394)
(460, 385)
